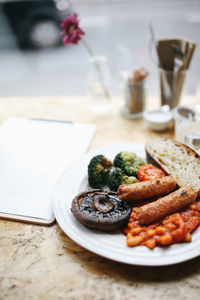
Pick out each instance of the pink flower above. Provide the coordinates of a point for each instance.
(71, 30)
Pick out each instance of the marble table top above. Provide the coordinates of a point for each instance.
(41, 262)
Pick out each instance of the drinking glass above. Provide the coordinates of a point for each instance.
(187, 127)
(171, 87)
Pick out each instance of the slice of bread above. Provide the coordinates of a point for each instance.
(175, 159)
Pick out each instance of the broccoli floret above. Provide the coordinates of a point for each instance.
(117, 177)
(138, 162)
(98, 171)
(129, 162)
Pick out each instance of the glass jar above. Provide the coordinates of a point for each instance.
(98, 83)
(133, 98)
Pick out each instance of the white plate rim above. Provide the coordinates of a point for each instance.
(65, 218)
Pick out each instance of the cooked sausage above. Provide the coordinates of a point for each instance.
(146, 189)
(164, 206)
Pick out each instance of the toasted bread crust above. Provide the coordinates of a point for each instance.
(164, 160)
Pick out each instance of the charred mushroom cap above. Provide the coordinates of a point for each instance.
(101, 210)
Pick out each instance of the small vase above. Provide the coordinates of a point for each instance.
(98, 85)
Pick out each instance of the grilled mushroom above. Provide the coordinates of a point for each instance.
(101, 210)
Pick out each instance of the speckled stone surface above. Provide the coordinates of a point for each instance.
(38, 262)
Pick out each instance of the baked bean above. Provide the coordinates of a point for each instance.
(150, 232)
(180, 231)
(170, 226)
(165, 240)
(134, 240)
(151, 244)
(160, 230)
(172, 229)
(188, 237)
(136, 231)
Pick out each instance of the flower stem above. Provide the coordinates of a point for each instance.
(106, 92)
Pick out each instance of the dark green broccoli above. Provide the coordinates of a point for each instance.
(117, 177)
(129, 162)
(98, 171)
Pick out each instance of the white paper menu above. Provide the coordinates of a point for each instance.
(33, 153)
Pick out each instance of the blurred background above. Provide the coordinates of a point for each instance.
(33, 61)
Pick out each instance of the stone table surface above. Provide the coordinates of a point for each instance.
(39, 262)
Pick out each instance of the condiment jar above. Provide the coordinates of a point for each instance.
(134, 95)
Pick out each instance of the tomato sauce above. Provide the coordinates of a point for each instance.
(170, 230)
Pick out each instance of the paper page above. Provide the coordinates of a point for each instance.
(33, 153)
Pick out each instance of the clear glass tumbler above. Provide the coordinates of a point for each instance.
(187, 127)
(171, 87)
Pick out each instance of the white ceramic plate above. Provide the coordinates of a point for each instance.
(111, 245)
